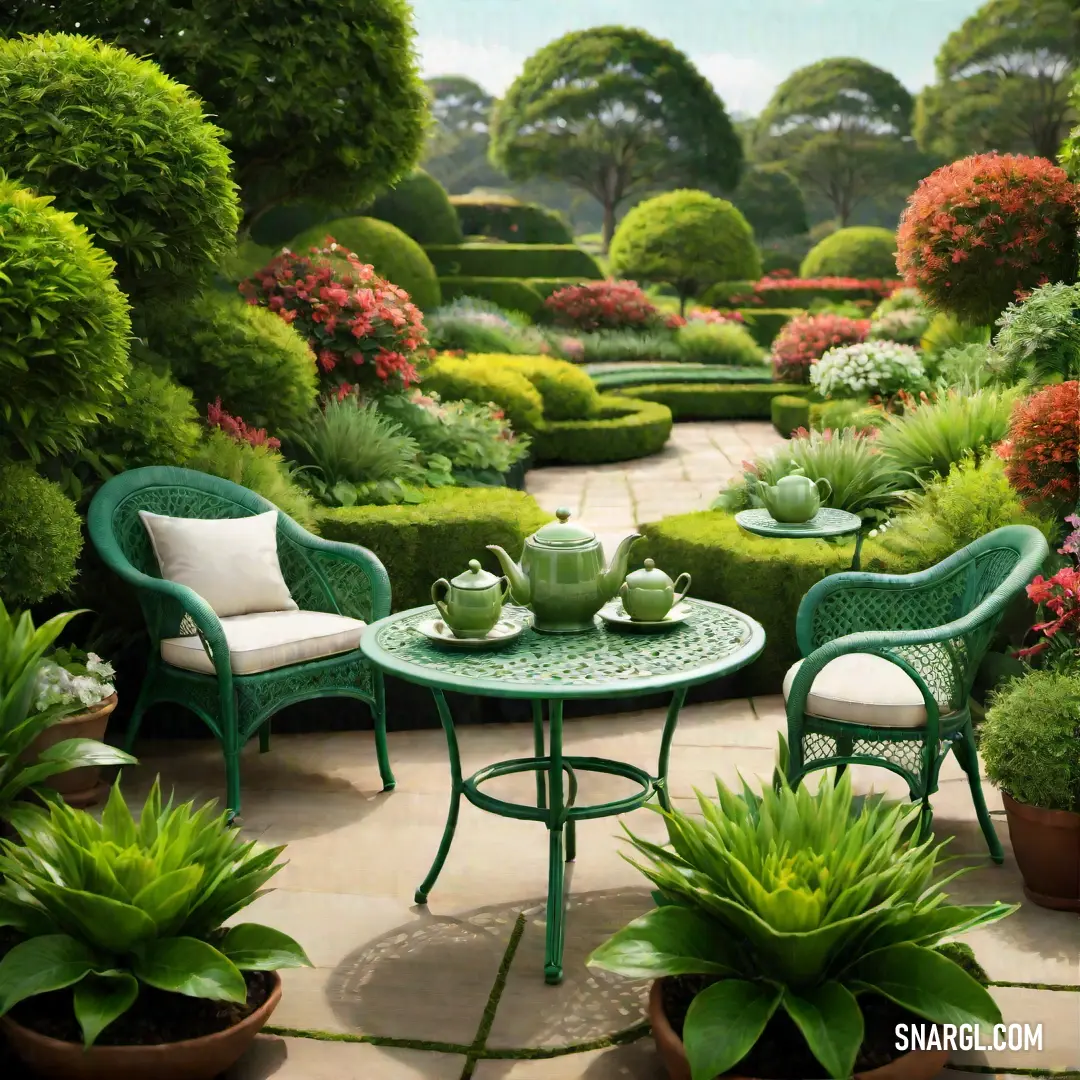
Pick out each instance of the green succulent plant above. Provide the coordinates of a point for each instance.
(803, 903)
(107, 907)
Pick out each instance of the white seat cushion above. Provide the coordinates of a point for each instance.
(861, 688)
(232, 563)
(268, 640)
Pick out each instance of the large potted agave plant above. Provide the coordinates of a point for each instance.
(124, 967)
(795, 932)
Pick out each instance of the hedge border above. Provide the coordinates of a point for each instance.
(519, 261)
(765, 323)
(789, 413)
(738, 401)
(513, 294)
(624, 429)
(616, 376)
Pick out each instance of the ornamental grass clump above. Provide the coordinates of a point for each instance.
(801, 908)
(109, 909)
(806, 338)
(878, 369)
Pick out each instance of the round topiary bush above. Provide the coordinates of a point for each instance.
(980, 232)
(255, 362)
(688, 239)
(395, 256)
(420, 208)
(862, 251)
(64, 326)
(40, 537)
(125, 149)
(503, 217)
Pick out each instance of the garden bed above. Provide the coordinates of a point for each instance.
(735, 401)
(615, 375)
(622, 430)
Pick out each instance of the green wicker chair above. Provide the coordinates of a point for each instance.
(340, 579)
(889, 661)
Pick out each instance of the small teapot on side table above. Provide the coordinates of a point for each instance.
(472, 602)
(795, 498)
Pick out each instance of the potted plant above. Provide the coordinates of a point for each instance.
(795, 932)
(1030, 742)
(125, 968)
(76, 678)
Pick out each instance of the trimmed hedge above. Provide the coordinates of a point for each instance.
(471, 380)
(421, 543)
(395, 256)
(511, 294)
(739, 401)
(723, 293)
(622, 430)
(513, 261)
(547, 286)
(506, 218)
(861, 251)
(762, 577)
(567, 391)
(765, 323)
(420, 208)
(627, 373)
(790, 413)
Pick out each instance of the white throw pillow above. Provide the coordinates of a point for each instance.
(232, 563)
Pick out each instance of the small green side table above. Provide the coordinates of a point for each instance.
(824, 524)
(555, 668)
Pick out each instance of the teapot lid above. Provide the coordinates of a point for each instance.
(561, 534)
(474, 578)
(649, 578)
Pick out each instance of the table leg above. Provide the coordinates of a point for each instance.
(677, 700)
(557, 845)
(456, 788)
(856, 558)
(538, 750)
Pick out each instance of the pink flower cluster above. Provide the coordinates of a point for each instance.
(236, 429)
(364, 331)
(781, 282)
(807, 338)
(603, 305)
(705, 315)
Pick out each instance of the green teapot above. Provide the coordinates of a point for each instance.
(794, 498)
(649, 594)
(562, 576)
(472, 602)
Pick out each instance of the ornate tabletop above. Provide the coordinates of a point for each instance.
(826, 522)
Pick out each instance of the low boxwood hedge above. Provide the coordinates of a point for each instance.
(765, 323)
(738, 401)
(510, 219)
(472, 380)
(546, 286)
(762, 577)
(790, 413)
(509, 293)
(513, 261)
(614, 376)
(567, 391)
(623, 429)
(421, 543)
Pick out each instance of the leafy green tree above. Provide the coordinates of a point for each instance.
(842, 127)
(614, 112)
(457, 149)
(1003, 81)
(321, 100)
(772, 201)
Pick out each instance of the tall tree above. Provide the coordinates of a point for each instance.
(1003, 81)
(615, 112)
(321, 100)
(457, 149)
(842, 127)
(772, 201)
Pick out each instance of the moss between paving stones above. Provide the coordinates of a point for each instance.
(738, 401)
(622, 430)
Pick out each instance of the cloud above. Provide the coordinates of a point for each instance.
(743, 83)
(494, 67)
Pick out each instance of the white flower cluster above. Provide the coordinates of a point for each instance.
(58, 686)
(903, 324)
(872, 368)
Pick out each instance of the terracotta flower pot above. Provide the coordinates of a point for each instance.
(1047, 848)
(79, 787)
(194, 1059)
(914, 1065)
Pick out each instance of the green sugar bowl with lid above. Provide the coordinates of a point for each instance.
(649, 594)
(562, 575)
(471, 603)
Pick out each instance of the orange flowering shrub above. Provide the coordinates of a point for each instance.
(986, 230)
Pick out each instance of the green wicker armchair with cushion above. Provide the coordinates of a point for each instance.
(247, 642)
(889, 661)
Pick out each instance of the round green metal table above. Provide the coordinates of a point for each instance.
(551, 669)
(826, 523)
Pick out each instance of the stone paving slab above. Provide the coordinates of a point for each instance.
(635, 1061)
(312, 1059)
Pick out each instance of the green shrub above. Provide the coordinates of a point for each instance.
(503, 217)
(420, 208)
(125, 149)
(567, 392)
(1040, 336)
(688, 239)
(545, 286)
(513, 261)
(727, 294)
(740, 401)
(279, 224)
(790, 413)
(862, 251)
(40, 537)
(614, 376)
(63, 325)
(623, 429)
(509, 293)
(1029, 740)
(395, 256)
(719, 343)
(245, 260)
(841, 414)
(620, 346)
(765, 323)
(772, 201)
(774, 259)
(968, 368)
(436, 538)
(471, 380)
(946, 332)
(222, 347)
(258, 468)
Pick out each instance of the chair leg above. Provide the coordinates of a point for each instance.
(264, 738)
(378, 712)
(968, 757)
(230, 745)
(142, 702)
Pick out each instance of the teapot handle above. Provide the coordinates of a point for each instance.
(828, 494)
(685, 589)
(504, 581)
(444, 586)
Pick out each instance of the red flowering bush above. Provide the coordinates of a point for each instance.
(603, 305)
(1041, 450)
(1059, 611)
(235, 428)
(779, 286)
(705, 315)
(806, 338)
(982, 232)
(364, 331)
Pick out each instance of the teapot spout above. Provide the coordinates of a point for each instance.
(615, 571)
(519, 582)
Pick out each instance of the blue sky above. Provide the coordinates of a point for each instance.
(746, 47)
